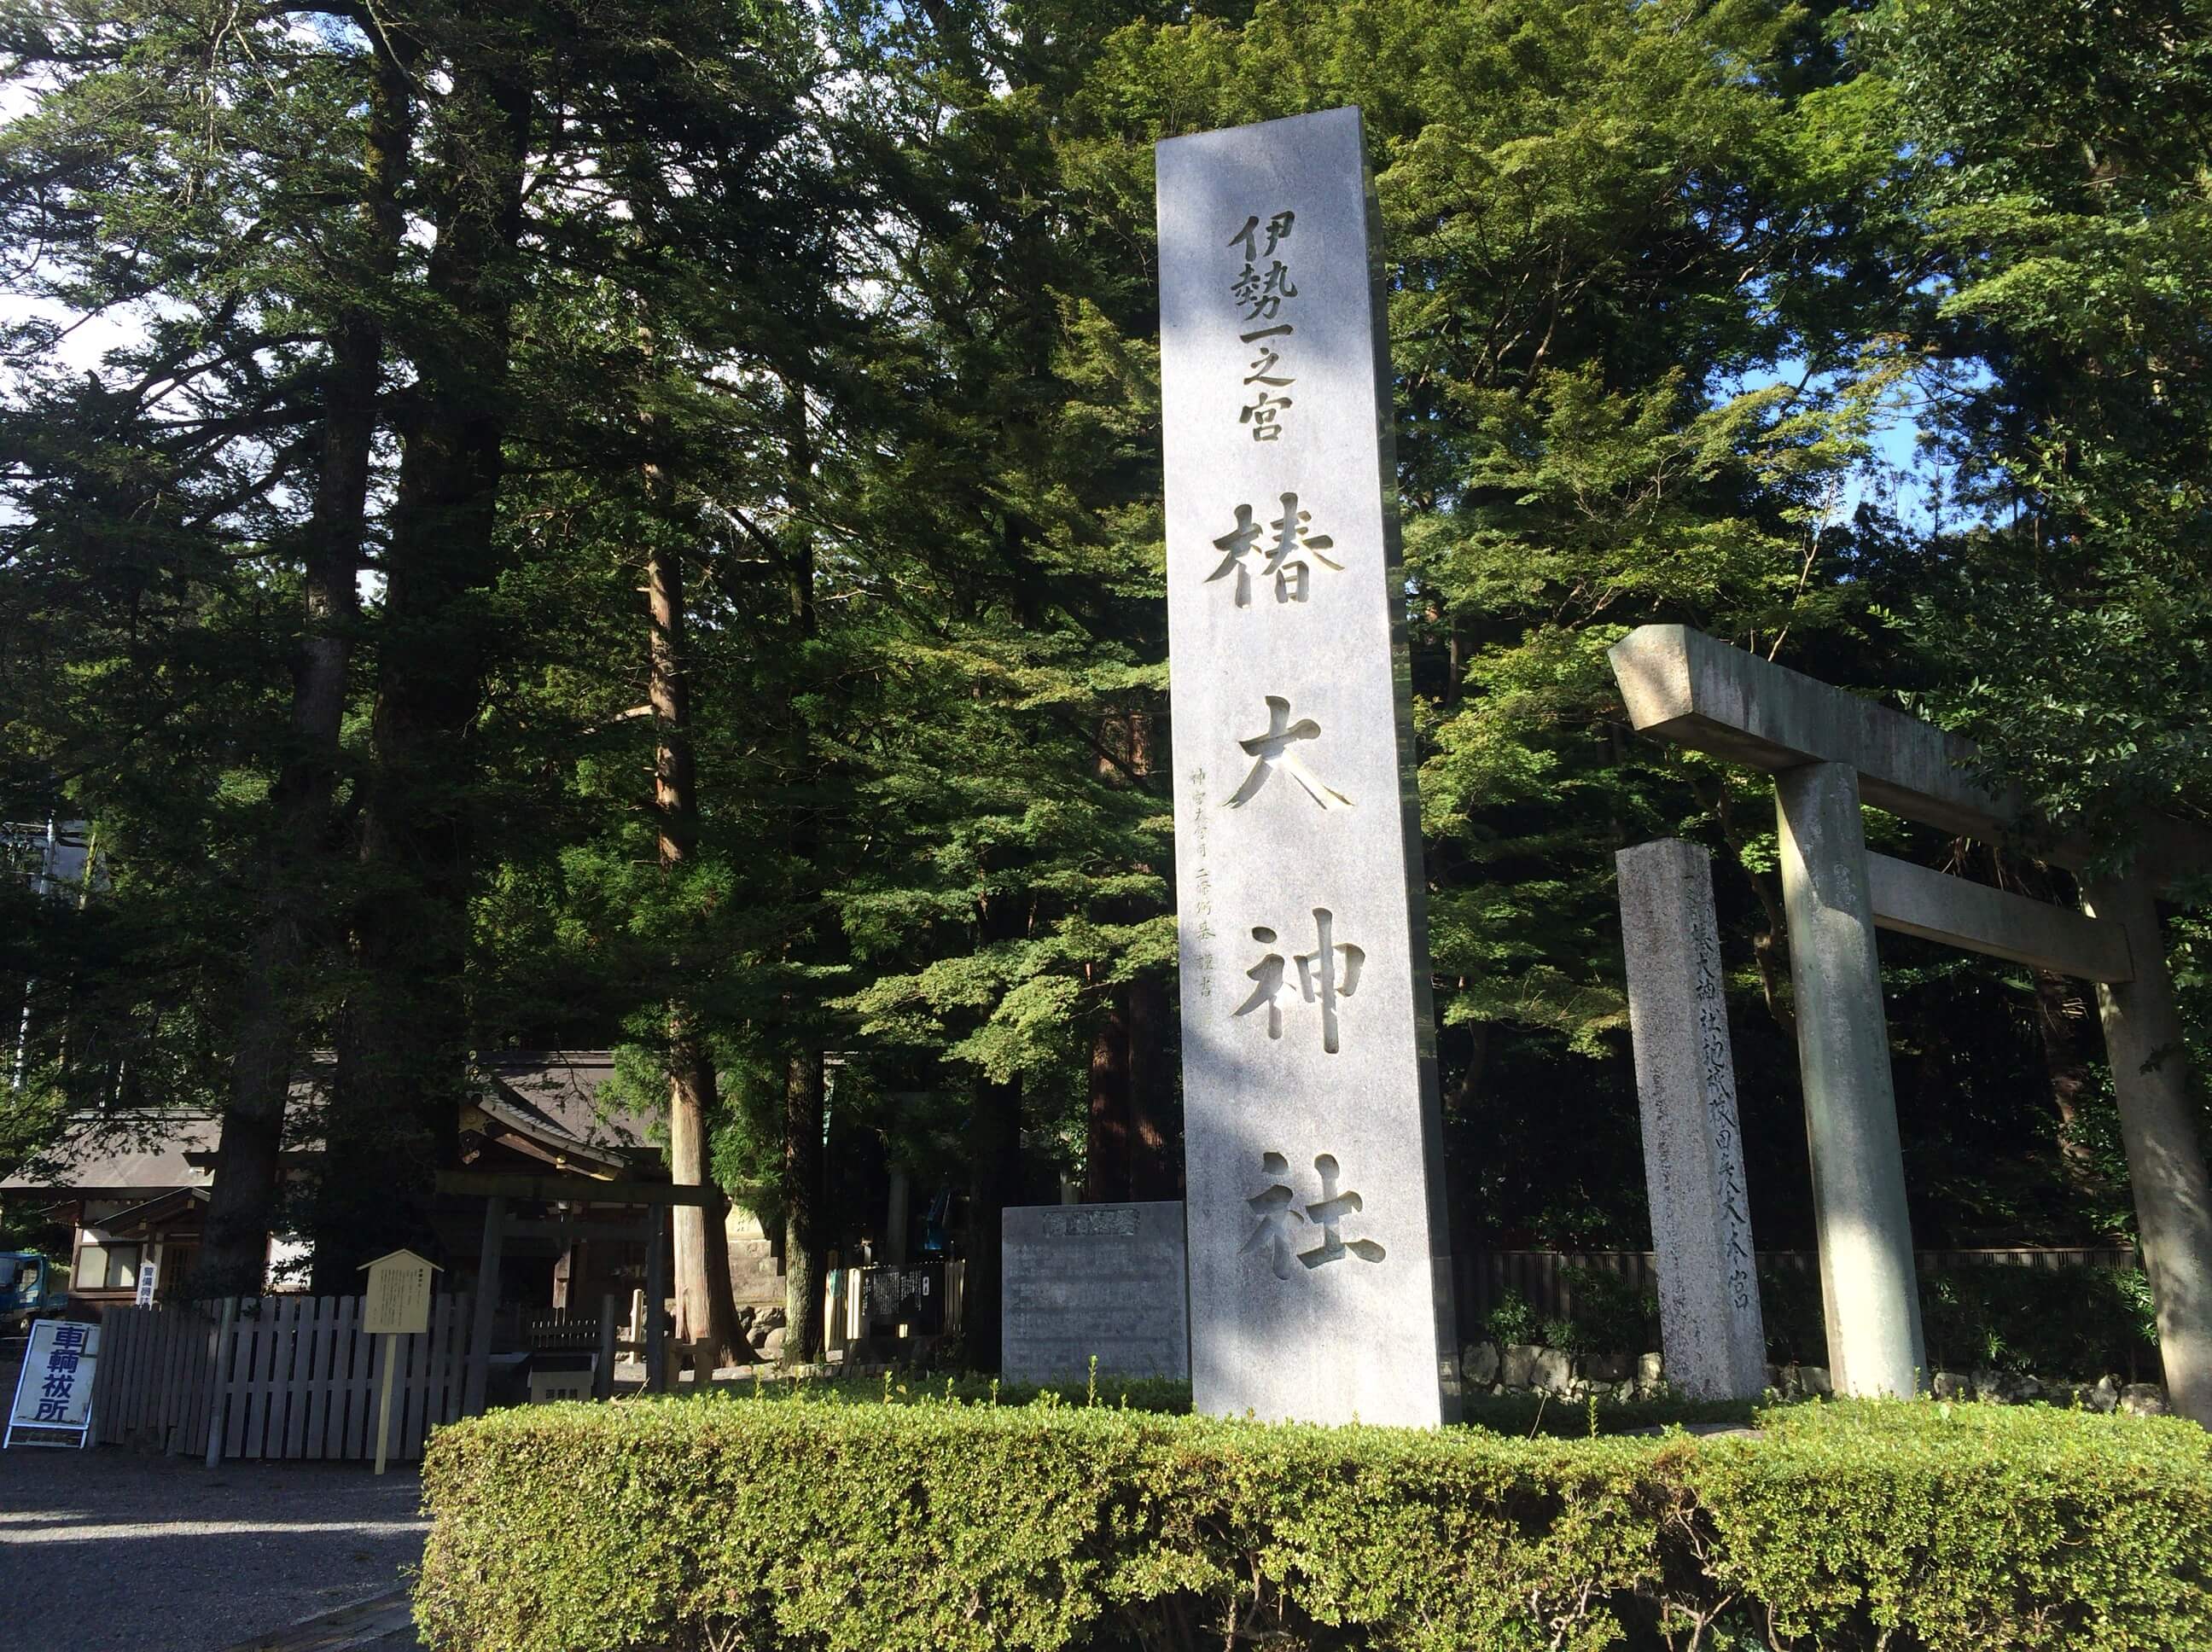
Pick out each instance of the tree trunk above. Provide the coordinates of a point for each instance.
(802, 1194)
(404, 1053)
(1155, 1167)
(1106, 1157)
(1130, 1149)
(2058, 1017)
(705, 1307)
(296, 917)
(804, 1191)
(995, 1147)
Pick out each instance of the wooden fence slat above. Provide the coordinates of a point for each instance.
(316, 1413)
(266, 1431)
(280, 1376)
(112, 1398)
(457, 1356)
(126, 1342)
(299, 1389)
(344, 1318)
(196, 1355)
(165, 1372)
(204, 1409)
(135, 1330)
(307, 1379)
(360, 1388)
(407, 1421)
(406, 1353)
(287, 1395)
(422, 1415)
(259, 1381)
(179, 1380)
(106, 1390)
(339, 1416)
(251, 1350)
(245, 1354)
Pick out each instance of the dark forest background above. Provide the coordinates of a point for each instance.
(637, 524)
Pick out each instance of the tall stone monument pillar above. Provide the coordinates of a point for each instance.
(1320, 1281)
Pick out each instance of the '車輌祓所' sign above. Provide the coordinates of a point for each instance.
(55, 1389)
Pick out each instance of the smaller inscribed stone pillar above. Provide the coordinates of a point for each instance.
(1869, 1295)
(1709, 1312)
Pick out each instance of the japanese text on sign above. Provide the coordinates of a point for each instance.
(55, 1389)
(1259, 291)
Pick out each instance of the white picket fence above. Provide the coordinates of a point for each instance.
(296, 1377)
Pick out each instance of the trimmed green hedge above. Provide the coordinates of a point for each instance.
(725, 1523)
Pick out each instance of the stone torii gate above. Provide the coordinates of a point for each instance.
(1827, 749)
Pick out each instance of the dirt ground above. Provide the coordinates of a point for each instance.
(111, 1550)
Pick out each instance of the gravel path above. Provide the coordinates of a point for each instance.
(109, 1550)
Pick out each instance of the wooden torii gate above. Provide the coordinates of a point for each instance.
(496, 1188)
(1828, 749)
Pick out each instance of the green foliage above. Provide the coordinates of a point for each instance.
(2074, 1323)
(1612, 1315)
(1513, 1319)
(2068, 236)
(846, 313)
(2071, 1323)
(941, 1526)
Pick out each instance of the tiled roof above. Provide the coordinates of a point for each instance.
(552, 1095)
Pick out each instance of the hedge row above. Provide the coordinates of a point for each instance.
(734, 1523)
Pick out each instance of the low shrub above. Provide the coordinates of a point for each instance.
(827, 1525)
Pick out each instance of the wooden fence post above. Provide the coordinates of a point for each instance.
(603, 1373)
(656, 1288)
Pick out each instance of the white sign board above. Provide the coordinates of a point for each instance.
(55, 1388)
(1320, 1284)
(399, 1300)
(148, 1273)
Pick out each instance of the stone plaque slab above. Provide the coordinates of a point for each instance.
(1320, 1286)
(1095, 1279)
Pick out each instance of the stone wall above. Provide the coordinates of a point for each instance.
(1487, 1366)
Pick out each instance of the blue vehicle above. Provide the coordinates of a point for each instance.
(940, 1222)
(29, 1284)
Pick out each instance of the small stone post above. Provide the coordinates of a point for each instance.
(1870, 1296)
(1708, 1311)
(2165, 1155)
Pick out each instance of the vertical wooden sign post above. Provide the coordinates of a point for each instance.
(398, 1305)
(1320, 1279)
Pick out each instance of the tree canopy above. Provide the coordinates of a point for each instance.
(639, 525)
